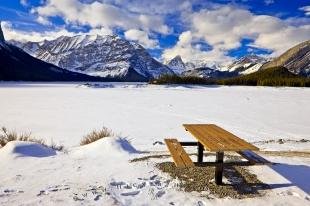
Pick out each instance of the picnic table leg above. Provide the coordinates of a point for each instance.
(219, 168)
(200, 153)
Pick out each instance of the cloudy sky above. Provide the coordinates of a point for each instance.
(195, 29)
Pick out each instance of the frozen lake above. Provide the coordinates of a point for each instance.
(148, 113)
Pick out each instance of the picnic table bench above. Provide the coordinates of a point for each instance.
(214, 139)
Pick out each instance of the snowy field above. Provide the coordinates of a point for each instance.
(100, 173)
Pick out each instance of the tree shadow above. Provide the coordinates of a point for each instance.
(298, 175)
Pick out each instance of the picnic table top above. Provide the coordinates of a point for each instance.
(216, 139)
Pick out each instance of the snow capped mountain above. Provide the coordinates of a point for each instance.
(247, 64)
(198, 68)
(17, 65)
(185, 68)
(177, 65)
(105, 56)
(206, 72)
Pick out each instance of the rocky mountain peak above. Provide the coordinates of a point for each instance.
(177, 65)
(1, 34)
(247, 64)
(104, 56)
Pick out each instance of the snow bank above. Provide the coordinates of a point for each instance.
(25, 149)
(108, 146)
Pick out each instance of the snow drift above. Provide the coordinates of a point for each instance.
(107, 146)
(26, 149)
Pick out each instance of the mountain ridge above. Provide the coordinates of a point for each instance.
(106, 56)
(17, 65)
(295, 59)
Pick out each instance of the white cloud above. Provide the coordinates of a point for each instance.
(268, 2)
(280, 41)
(18, 35)
(24, 2)
(100, 31)
(224, 27)
(191, 52)
(141, 37)
(43, 20)
(159, 7)
(306, 9)
(96, 14)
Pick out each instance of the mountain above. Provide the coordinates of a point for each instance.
(177, 65)
(246, 64)
(17, 65)
(197, 68)
(206, 72)
(296, 59)
(105, 56)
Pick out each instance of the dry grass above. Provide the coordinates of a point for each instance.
(11, 135)
(8, 136)
(96, 135)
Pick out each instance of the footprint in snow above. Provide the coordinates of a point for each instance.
(159, 194)
(139, 186)
(42, 192)
(118, 184)
(133, 193)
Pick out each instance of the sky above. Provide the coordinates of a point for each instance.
(197, 30)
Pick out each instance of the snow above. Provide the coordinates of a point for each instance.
(252, 69)
(26, 149)
(141, 114)
(96, 55)
(66, 112)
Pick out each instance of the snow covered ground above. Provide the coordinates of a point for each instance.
(100, 173)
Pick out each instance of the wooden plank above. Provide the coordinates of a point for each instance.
(184, 156)
(216, 139)
(219, 139)
(175, 156)
(179, 156)
(234, 139)
(227, 139)
(253, 158)
(202, 138)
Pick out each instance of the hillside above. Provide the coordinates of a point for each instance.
(296, 59)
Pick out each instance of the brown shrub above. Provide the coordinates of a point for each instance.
(96, 135)
(8, 136)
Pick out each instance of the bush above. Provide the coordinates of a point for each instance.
(96, 135)
(8, 136)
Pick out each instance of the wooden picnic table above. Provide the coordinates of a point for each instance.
(215, 139)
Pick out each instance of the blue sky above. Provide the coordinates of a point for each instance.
(215, 31)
